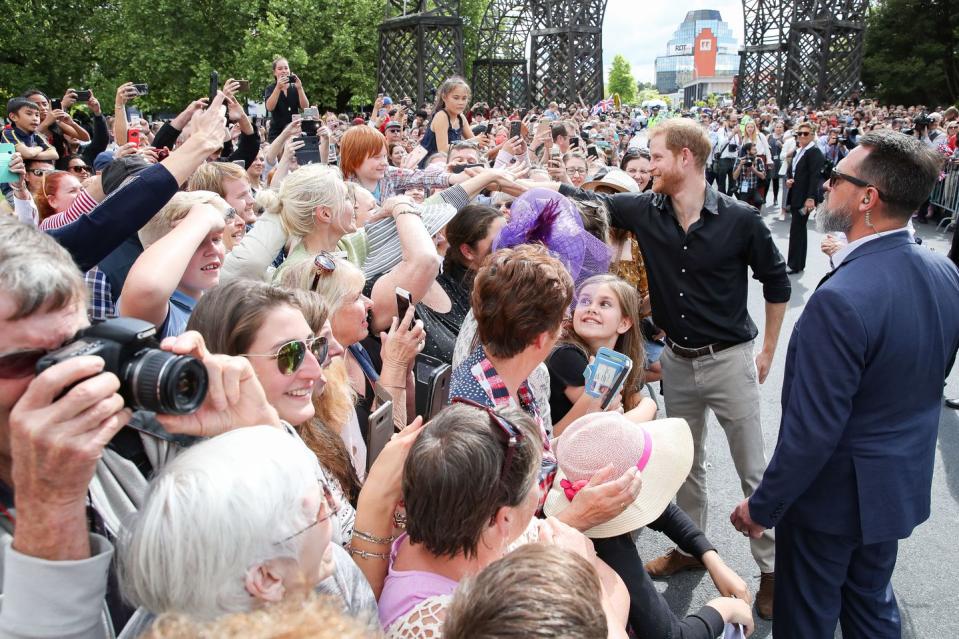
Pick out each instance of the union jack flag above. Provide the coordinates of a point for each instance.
(603, 106)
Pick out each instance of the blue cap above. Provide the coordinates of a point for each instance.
(387, 100)
(102, 160)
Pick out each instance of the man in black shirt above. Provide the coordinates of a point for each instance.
(283, 98)
(698, 244)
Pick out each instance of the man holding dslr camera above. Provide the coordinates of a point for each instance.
(283, 98)
(749, 174)
(67, 475)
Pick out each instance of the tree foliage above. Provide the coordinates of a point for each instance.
(621, 80)
(912, 52)
(173, 46)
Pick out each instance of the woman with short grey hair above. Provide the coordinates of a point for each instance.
(235, 523)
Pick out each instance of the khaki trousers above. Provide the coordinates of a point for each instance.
(725, 382)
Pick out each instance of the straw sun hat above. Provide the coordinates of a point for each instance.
(661, 449)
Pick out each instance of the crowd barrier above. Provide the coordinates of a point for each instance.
(946, 192)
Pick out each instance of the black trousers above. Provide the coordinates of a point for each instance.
(724, 175)
(824, 579)
(798, 239)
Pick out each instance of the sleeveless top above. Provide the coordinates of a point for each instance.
(429, 138)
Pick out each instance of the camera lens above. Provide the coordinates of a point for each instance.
(164, 383)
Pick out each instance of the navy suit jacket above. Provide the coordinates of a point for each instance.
(862, 395)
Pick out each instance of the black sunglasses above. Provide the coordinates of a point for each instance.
(81, 168)
(835, 176)
(509, 434)
(290, 356)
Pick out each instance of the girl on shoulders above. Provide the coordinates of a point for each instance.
(448, 123)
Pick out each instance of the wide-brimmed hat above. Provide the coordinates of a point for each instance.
(383, 248)
(661, 449)
(545, 216)
(616, 179)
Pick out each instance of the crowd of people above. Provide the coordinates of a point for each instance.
(391, 373)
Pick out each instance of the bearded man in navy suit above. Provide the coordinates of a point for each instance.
(862, 395)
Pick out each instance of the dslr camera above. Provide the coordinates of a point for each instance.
(150, 379)
(922, 120)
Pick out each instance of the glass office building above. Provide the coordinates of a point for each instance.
(702, 46)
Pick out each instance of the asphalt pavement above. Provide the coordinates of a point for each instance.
(926, 580)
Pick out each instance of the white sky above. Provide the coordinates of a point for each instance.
(639, 31)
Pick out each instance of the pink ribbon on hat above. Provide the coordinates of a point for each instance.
(647, 451)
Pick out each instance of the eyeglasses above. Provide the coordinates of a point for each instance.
(81, 168)
(510, 435)
(576, 170)
(40, 172)
(332, 507)
(20, 364)
(323, 264)
(291, 355)
(835, 176)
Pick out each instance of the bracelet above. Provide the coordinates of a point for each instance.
(373, 539)
(367, 555)
(409, 211)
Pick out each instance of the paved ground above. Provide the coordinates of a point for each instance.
(926, 578)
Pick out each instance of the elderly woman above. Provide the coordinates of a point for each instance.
(470, 489)
(235, 523)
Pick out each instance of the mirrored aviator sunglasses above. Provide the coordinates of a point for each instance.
(290, 356)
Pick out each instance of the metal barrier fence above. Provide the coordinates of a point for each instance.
(946, 192)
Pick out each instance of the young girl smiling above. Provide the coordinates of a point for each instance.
(606, 313)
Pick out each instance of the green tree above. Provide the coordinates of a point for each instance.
(621, 80)
(912, 51)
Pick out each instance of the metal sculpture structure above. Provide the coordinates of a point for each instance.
(798, 51)
(801, 52)
(825, 51)
(421, 44)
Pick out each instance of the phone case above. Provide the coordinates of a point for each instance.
(605, 376)
(6, 154)
(380, 430)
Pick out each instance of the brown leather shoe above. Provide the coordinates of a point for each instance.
(764, 598)
(671, 563)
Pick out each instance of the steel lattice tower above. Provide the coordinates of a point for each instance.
(421, 44)
(762, 59)
(825, 50)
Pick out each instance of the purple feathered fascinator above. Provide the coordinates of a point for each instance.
(546, 217)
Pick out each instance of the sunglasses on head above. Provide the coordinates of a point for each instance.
(323, 264)
(507, 432)
(290, 356)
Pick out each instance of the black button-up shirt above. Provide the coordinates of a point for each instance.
(697, 279)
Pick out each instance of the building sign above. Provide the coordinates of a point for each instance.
(704, 54)
(680, 49)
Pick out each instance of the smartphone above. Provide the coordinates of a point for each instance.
(214, 84)
(574, 141)
(142, 89)
(244, 85)
(591, 152)
(6, 154)
(83, 95)
(133, 135)
(56, 103)
(606, 375)
(309, 153)
(403, 302)
(292, 78)
(379, 431)
(515, 128)
(311, 113)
